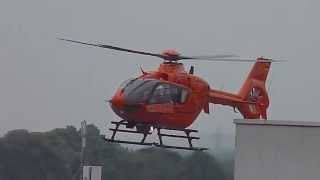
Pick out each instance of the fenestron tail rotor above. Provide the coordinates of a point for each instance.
(173, 56)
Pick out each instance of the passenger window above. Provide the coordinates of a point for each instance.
(184, 95)
(167, 93)
(161, 94)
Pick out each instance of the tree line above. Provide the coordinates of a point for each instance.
(55, 155)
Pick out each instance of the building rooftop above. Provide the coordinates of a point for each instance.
(276, 122)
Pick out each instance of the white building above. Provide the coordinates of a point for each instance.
(277, 150)
(92, 172)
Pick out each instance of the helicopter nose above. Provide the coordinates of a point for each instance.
(117, 105)
(116, 102)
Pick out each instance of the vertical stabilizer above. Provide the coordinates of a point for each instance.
(253, 90)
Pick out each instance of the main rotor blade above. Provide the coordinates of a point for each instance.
(236, 60)
(114, 48)
(218, 56)
(174, 57)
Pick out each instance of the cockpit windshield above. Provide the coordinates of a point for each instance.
(152, 91)
(138, 91)
(126, 83)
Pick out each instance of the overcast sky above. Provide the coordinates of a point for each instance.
(46, 83)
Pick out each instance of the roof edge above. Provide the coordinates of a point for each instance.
(276, 122)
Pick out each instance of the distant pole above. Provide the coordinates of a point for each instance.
(83, 147)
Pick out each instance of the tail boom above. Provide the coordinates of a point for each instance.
(252, 100)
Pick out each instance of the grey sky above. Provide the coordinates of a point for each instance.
(46, 83)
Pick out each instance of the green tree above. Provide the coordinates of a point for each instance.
(56, 154)
(25, 156)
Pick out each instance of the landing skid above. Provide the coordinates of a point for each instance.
(160, 135)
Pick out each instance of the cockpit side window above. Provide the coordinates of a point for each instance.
(168, 93)
(161, 94)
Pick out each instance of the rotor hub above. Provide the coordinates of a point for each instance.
(170, 67)
(170, 55)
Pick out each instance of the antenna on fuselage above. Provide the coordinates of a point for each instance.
(191, 71)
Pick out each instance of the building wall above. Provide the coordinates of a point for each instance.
(277, 150)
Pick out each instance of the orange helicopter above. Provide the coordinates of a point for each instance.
(170, 98)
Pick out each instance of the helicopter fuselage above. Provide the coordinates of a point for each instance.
(169, 97)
